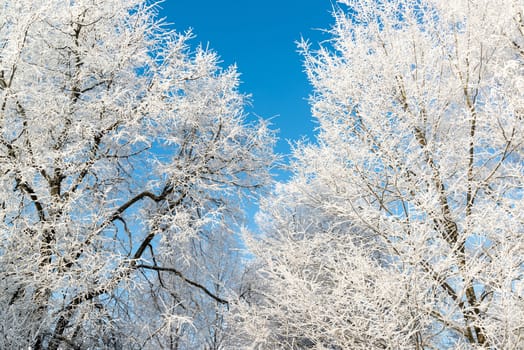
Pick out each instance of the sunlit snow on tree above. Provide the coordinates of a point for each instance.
(402, 228)
(123, 157)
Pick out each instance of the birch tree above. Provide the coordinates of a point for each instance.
(120, 148)
(402, 227)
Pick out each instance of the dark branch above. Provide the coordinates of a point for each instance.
(185, 279)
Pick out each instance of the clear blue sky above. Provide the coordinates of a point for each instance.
(260, 38)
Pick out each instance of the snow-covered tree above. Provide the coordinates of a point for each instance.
(402, 227)
(124, 156)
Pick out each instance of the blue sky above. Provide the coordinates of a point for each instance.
(260, 38)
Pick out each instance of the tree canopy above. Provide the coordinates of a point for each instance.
(126, 160)
(401, 228)
(124, 155)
